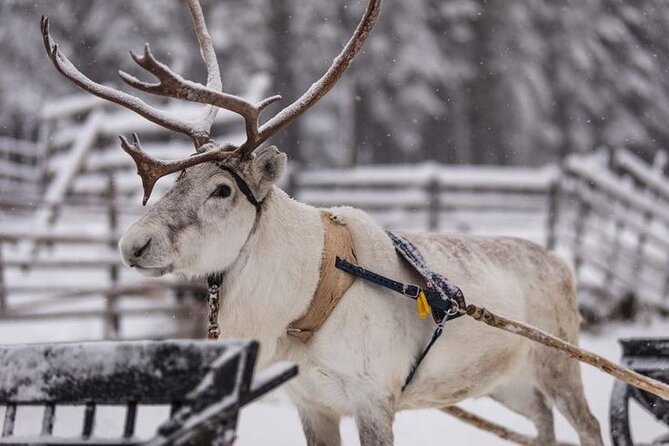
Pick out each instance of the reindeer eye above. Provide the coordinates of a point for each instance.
(222, 191)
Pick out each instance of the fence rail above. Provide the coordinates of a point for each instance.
(27, 293)
(432, 197)
(20, 166)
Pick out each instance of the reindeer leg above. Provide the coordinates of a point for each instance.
(375, 424)
(530, 403)
(320, 429)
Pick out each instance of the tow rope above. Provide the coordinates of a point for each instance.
(439, 296)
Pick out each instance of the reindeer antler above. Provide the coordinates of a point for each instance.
(171, 84)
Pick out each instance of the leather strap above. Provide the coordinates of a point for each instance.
(440, 307)
(243, 186)
(409, 290)
(332, 284)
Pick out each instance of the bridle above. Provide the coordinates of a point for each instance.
(215, 280)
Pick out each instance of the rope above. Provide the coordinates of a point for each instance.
(492, 427)
(631, 377)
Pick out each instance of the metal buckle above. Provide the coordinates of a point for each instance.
(455, 308)
(407, 288)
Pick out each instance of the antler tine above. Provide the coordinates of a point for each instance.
(167, 77)
(173, 85)
(323, 85)
(151, 169)
(209, 57)
(67, 69)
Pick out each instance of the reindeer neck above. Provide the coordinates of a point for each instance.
(276, 274)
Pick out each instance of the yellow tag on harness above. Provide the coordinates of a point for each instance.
(422, 306)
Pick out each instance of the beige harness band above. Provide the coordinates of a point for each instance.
(332, 284)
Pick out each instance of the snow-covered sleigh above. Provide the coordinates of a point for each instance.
(649, 357)
(204, 383)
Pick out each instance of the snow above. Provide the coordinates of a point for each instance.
(482, 200)
(70, 105)
(21, 172)
(274, 420)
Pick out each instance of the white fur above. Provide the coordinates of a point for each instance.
(357, 362)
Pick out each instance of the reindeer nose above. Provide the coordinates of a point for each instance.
(138, 252)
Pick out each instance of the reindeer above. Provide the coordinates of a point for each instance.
(225, 214)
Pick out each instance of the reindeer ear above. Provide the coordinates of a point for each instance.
(267, 167)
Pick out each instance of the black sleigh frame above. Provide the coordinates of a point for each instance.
(649, 357)
(205, 383)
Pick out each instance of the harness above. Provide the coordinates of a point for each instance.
(439, 296)
(332, 282)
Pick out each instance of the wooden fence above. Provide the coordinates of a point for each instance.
(607, 212)
(28, 294)
(38, 284)
(440, 198)
(612, 220)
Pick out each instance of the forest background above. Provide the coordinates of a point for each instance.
(505, 82)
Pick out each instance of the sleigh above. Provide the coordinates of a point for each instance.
(649, 357)
(204, 384)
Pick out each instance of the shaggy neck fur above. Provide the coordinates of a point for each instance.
(273, 280)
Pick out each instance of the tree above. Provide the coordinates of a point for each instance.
(464, 81)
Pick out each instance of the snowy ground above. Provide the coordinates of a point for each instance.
(273, 421)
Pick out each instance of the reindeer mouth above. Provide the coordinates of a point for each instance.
(152, 271)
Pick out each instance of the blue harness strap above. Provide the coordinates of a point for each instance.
(445, 299)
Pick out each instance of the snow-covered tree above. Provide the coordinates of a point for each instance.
(517, 82)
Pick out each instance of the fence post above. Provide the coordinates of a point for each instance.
(616, 245)
(55, 193)
(641, 244)
(111, 322)
(191, 315)
(665, 291)
(582, 215)
(44, 148)
(553, 217)
(291, 181)
(434, 203)
(3, 290)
